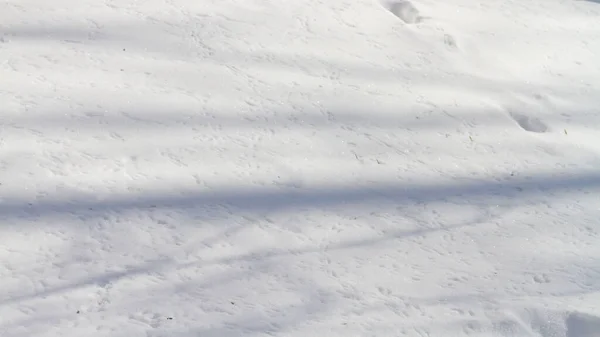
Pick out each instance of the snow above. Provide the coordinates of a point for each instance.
(179, 168)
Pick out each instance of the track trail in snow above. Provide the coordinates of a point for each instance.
(306, 168)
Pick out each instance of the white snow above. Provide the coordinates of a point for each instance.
(179, 168)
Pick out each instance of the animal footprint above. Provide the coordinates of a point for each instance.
(405, 11)
(528, 123)
(450, 41)
(582, 325)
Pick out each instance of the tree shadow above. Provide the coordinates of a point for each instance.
(236, 202)
(279, 200)
(134, 38)
(142, 305)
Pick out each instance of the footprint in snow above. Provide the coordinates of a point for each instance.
(409, 14)
(528, 123)
(582, 325)
(405, 11)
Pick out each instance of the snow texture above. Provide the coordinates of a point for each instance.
(179, 168)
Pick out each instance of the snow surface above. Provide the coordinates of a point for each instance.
(179, 168)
